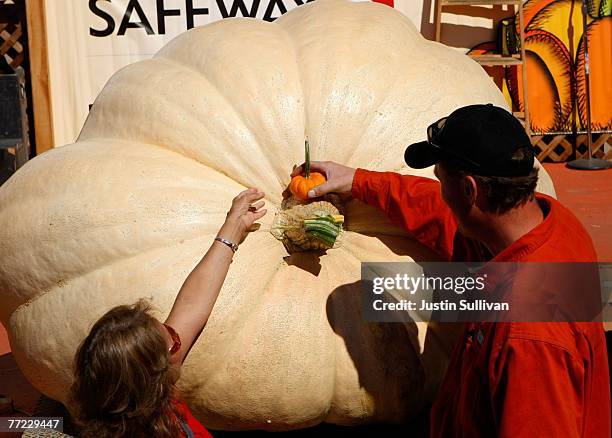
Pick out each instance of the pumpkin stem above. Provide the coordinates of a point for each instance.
(307, 164)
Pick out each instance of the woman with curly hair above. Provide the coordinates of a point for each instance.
(126, 368)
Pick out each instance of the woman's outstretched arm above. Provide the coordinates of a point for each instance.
(195, 300)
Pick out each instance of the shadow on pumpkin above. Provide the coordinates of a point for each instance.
(385, 354)
(406, 246)
(401, 378)
(308, 261)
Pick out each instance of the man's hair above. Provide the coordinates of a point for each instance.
(502, 194)
(124, 382)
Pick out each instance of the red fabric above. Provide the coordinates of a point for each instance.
(511, 379)
(385, 2)
(199, 431)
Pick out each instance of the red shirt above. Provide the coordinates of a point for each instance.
(512, 379)
(195, 427)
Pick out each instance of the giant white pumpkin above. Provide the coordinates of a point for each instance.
(128, 210)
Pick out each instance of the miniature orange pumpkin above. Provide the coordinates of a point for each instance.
(301, 184)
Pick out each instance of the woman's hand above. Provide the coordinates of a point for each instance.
(339, 177)
(199, 292)
(246, 209)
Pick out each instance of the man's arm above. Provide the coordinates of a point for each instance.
(412, 202)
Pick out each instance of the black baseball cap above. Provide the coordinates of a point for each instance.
(480, 139)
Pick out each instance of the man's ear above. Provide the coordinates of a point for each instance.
(470, 189)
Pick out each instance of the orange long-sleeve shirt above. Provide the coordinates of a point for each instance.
(507, 379)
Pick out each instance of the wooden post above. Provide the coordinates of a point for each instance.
(39, 74)
(438, 21)
(524, 69)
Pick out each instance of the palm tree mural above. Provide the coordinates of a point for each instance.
(555, 66)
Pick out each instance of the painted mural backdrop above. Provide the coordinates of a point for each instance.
(555, 65)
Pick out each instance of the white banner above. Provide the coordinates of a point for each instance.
(89, 40)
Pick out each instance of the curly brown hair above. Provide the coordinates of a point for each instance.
(124, 380)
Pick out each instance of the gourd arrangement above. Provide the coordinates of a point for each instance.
(128, 210)
(308, 226)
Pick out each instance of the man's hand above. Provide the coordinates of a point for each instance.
(246, 209)
(339, 177)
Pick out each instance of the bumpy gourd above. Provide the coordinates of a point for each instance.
(128, 210)
(288, 225)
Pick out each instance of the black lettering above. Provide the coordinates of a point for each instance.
(191, 12)
(127, 24)
(270, 9)
(110, 23)
(300, 2)
(238, 4)
(162, 13)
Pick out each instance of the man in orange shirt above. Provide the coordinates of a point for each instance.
(516, 378)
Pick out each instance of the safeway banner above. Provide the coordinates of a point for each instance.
(89, 40)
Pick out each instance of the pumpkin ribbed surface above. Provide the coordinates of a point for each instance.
(128, 210)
